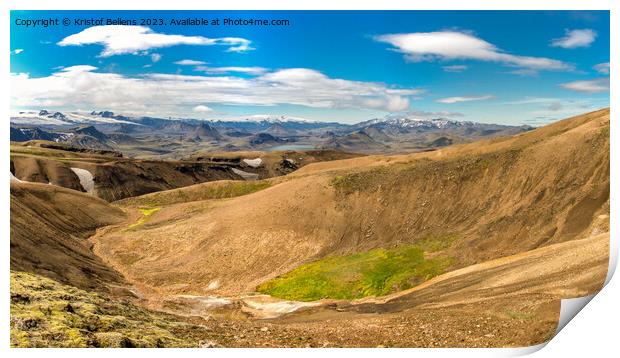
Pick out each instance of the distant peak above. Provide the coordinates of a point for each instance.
(104, 114)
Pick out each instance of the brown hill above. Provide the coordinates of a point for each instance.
(496, 197)
(524, 221)
(114, 177)
(49, 227)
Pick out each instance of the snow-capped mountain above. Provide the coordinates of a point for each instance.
(413, 122)
(50, 118)
(261, 122)
(26, 134)
(395, 125)
(408, 122)
(272, 118)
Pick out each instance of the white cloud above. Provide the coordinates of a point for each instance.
(589, 86)
(602, 68)
(454, 68)
(238, 44)
(452, 45)
(17, 51)
(78, 69)
(159, 94)
(451, 100)
(202, 108)
(575, 39)
(219, 70)
(190, 63)
(155, 57)
(119, 39)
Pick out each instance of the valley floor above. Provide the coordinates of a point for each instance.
(458, 309)
(494, 234)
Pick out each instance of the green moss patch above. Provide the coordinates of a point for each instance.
(373, 273)
(45, 313)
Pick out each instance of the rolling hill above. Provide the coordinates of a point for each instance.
(499, 197)
(471, 244)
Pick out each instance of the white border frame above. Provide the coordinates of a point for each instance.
(592, 332)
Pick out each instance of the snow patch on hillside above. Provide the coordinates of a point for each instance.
(15, 179)
(86, 179)
(254, 163)
(245, 175)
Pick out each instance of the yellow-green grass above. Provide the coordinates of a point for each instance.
(376, 272)
(45, 313)
(146, 213)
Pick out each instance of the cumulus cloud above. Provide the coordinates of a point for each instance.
(602, 68)
(155, 57)
(202, 108)
(81, 87)
(120, 39)
(452, 45)
(597, 85)
(17, 51)
(451, 100)
(575, 38)
(190, 63)
(454, 68)
(218, 70)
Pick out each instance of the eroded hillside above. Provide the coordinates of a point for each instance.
(498, 197)
(49, 228)
(110, 176)
(471, 245)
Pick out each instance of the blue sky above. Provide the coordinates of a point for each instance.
(513, 67)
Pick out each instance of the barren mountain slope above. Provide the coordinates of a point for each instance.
(497, 197)
(116, 178)
(49, 227)
(113, 177)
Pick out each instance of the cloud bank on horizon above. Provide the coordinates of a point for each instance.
(185, 73)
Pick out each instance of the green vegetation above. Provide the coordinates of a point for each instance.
(45, 313)
(210, 190)
(146, 212)
(373, 273)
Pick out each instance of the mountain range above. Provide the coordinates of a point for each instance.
(144, 136)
